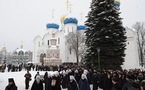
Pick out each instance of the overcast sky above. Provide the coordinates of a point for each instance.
(25, 19)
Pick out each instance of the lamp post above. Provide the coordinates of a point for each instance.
(98, 50)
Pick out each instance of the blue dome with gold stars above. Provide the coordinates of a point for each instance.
(117, 3)
(81, 27)
(70, 20)
(52, 25)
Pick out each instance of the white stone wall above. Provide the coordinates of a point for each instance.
(132, 57)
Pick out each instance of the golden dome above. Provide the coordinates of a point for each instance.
(62, 18)
(4, 47)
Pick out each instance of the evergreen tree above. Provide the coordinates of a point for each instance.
(105, 31)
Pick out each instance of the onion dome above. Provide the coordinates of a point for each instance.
(52, 25)
(70, 19)
(117, 3)
(62, 18)
(81, 27)
(4, 47)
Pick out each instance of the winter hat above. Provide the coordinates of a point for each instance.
(38, 76)
(71, 77)
(85, 72)
(11, 80)
(83, 75)
(76, 71)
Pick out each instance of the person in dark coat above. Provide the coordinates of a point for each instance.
(56, 82)
(64, 80)
(116, 85)
(38, 84)
(95, 81)
(48, 82)
(107, 83)
(77, 76)
(130, 84)
(27, 79)
(45, 79)
(72, 85)
(83, 83)
(143, 85)
(11, 85)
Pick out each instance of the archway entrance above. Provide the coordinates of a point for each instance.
(42, 56)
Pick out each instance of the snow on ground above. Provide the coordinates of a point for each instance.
(19, 79)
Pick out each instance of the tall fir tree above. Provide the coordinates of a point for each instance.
(105, 31)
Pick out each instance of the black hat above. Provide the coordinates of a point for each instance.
(11, 80)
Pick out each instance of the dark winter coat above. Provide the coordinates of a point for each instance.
(89, 78)
(65, 81)
(131, 85)
(72, 86)
(36, 86)
(12, 87)
(27, 77)
(48, 84)
(107, 83)
(116, 87)
(84, 84)
(77, 77)
(95, 82)
(58, 83)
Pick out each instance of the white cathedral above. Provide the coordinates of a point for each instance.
(53, 49)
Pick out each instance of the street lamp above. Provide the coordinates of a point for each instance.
(98, 50)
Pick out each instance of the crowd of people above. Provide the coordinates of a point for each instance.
(80, 78)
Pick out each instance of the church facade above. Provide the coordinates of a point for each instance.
(53, 48)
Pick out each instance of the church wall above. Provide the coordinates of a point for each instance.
(37, 44)
(50, 30)
(131, 58)
(61, 43)
(70, 28)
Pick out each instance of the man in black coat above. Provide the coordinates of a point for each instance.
(27, 79)
(107, 82)
(37, 85)
(95, 81)
(131, 84)
(64, 80)
(116, 85)
(11, 85)
(77, 76)
(48, 82)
